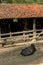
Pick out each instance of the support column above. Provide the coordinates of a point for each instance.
(10, 30)
(25, 24)
(0, 33)
(34, 30)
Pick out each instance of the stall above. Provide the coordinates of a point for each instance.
(21, 23)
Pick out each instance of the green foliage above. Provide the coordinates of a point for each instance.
(15, 20)
(22, 1)
(15, 1)
(9, 1)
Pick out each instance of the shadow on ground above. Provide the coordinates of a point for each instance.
(14, 58)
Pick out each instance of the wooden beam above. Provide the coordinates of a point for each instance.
(0, 33)
(25, 24)
(10, 30)
(34, 30)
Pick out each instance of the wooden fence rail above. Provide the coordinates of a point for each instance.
(24, 36)
(21, 32)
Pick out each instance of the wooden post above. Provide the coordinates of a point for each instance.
(10, 34)
(25, 24)
(24, 36)
(10, 30)
(34, 30)
(0, 33)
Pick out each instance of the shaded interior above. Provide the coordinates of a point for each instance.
(8, 25)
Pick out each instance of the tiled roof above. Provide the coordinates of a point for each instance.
(20, 10)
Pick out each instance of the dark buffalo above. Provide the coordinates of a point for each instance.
(28, 50)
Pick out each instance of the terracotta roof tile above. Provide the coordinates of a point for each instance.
(20, 10)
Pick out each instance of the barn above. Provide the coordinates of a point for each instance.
(21, 23)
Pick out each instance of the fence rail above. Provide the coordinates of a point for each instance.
(22, 36)
(21, 32)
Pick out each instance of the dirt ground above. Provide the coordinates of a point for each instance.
(11, 56)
